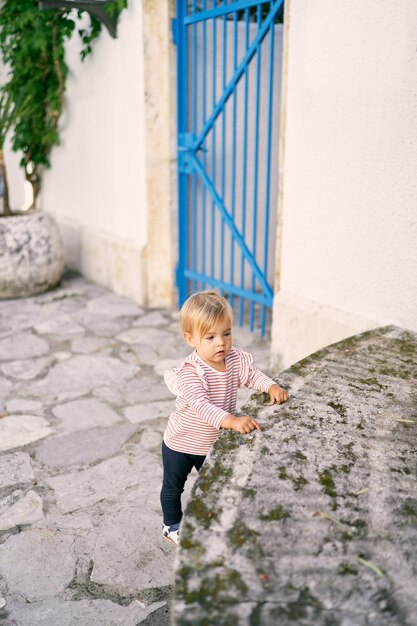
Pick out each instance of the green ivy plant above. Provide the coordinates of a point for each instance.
(32, 96)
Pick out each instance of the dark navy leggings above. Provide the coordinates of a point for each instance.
(177, 466)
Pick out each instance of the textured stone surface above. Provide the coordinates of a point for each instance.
(27, 368)
(86, 345)
(60, 325)
(27, 510)
(16, 405)
(155, 318)
(22, 346)
(105, 480)
(101, 325)
(146, 336)
(146, 411)
(15, 468)
(313, 519)
(38, 563)
(19, 430)
(5, 387)
(82, 613)
(135, 558)
(114, 306)
(84, 414)
(147, 388)
(87, 446)
(31, 254)
(80, 375)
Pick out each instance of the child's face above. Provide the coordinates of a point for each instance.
(214, 346)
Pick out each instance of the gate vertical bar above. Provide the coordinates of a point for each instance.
(244, 167)
(203, 117)
(213, 142)
(182, 99)
(268, 164)
(233, 190)
(194, 129)
(255, 168)
(223, 173)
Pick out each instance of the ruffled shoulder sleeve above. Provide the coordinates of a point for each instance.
(245, 361)
(172, 375)
(171, 379)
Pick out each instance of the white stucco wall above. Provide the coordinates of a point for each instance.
(96, 186)
(20, 194)
(347, 242)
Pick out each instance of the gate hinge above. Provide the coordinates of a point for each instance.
(185, 143)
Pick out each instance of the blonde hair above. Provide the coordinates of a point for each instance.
(202, 310)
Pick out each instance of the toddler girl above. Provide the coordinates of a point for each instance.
(206, 385)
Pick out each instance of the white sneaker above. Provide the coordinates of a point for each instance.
(169, 533)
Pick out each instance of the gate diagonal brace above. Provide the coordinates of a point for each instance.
(250, 53)
(185, 147)
(197, 166)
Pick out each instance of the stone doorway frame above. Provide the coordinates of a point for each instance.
(161, 152)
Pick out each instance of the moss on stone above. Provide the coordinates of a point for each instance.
(338, 407)
(212, 587)
(385, 598)
(282, 472)
(247, 492)
(409, 510)
(396, 373)
(188, 543)
(298, 609)
(401, 470)
(348, 453)
(300, 456)
(347, 570)
(408, 344)
(373, 382)
(290, 438)
(198, 509)
(215, 475)
(326, 479)
(239, 534)
(299, 482)
(250, 410)
(300, 366)
(276, 514)
(263, 398)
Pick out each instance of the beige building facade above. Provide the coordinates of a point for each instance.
(347, 240)
(112, 185)
(346, 253)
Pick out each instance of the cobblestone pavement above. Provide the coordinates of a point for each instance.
(83, 407)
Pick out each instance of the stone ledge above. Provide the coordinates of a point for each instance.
(313, 520)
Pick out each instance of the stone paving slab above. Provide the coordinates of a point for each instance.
(83, 407)
(15, 469)
(83, 447)
(83, 613)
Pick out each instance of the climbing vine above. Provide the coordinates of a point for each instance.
(32, 45)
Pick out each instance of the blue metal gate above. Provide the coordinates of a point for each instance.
(228, 97)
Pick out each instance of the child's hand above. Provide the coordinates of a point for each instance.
(277, 394)
(244, 424)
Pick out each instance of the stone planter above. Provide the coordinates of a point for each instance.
(31, 254)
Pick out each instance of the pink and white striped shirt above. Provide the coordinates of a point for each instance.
(205, 397)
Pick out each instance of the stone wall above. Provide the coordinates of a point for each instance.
(312, 520)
